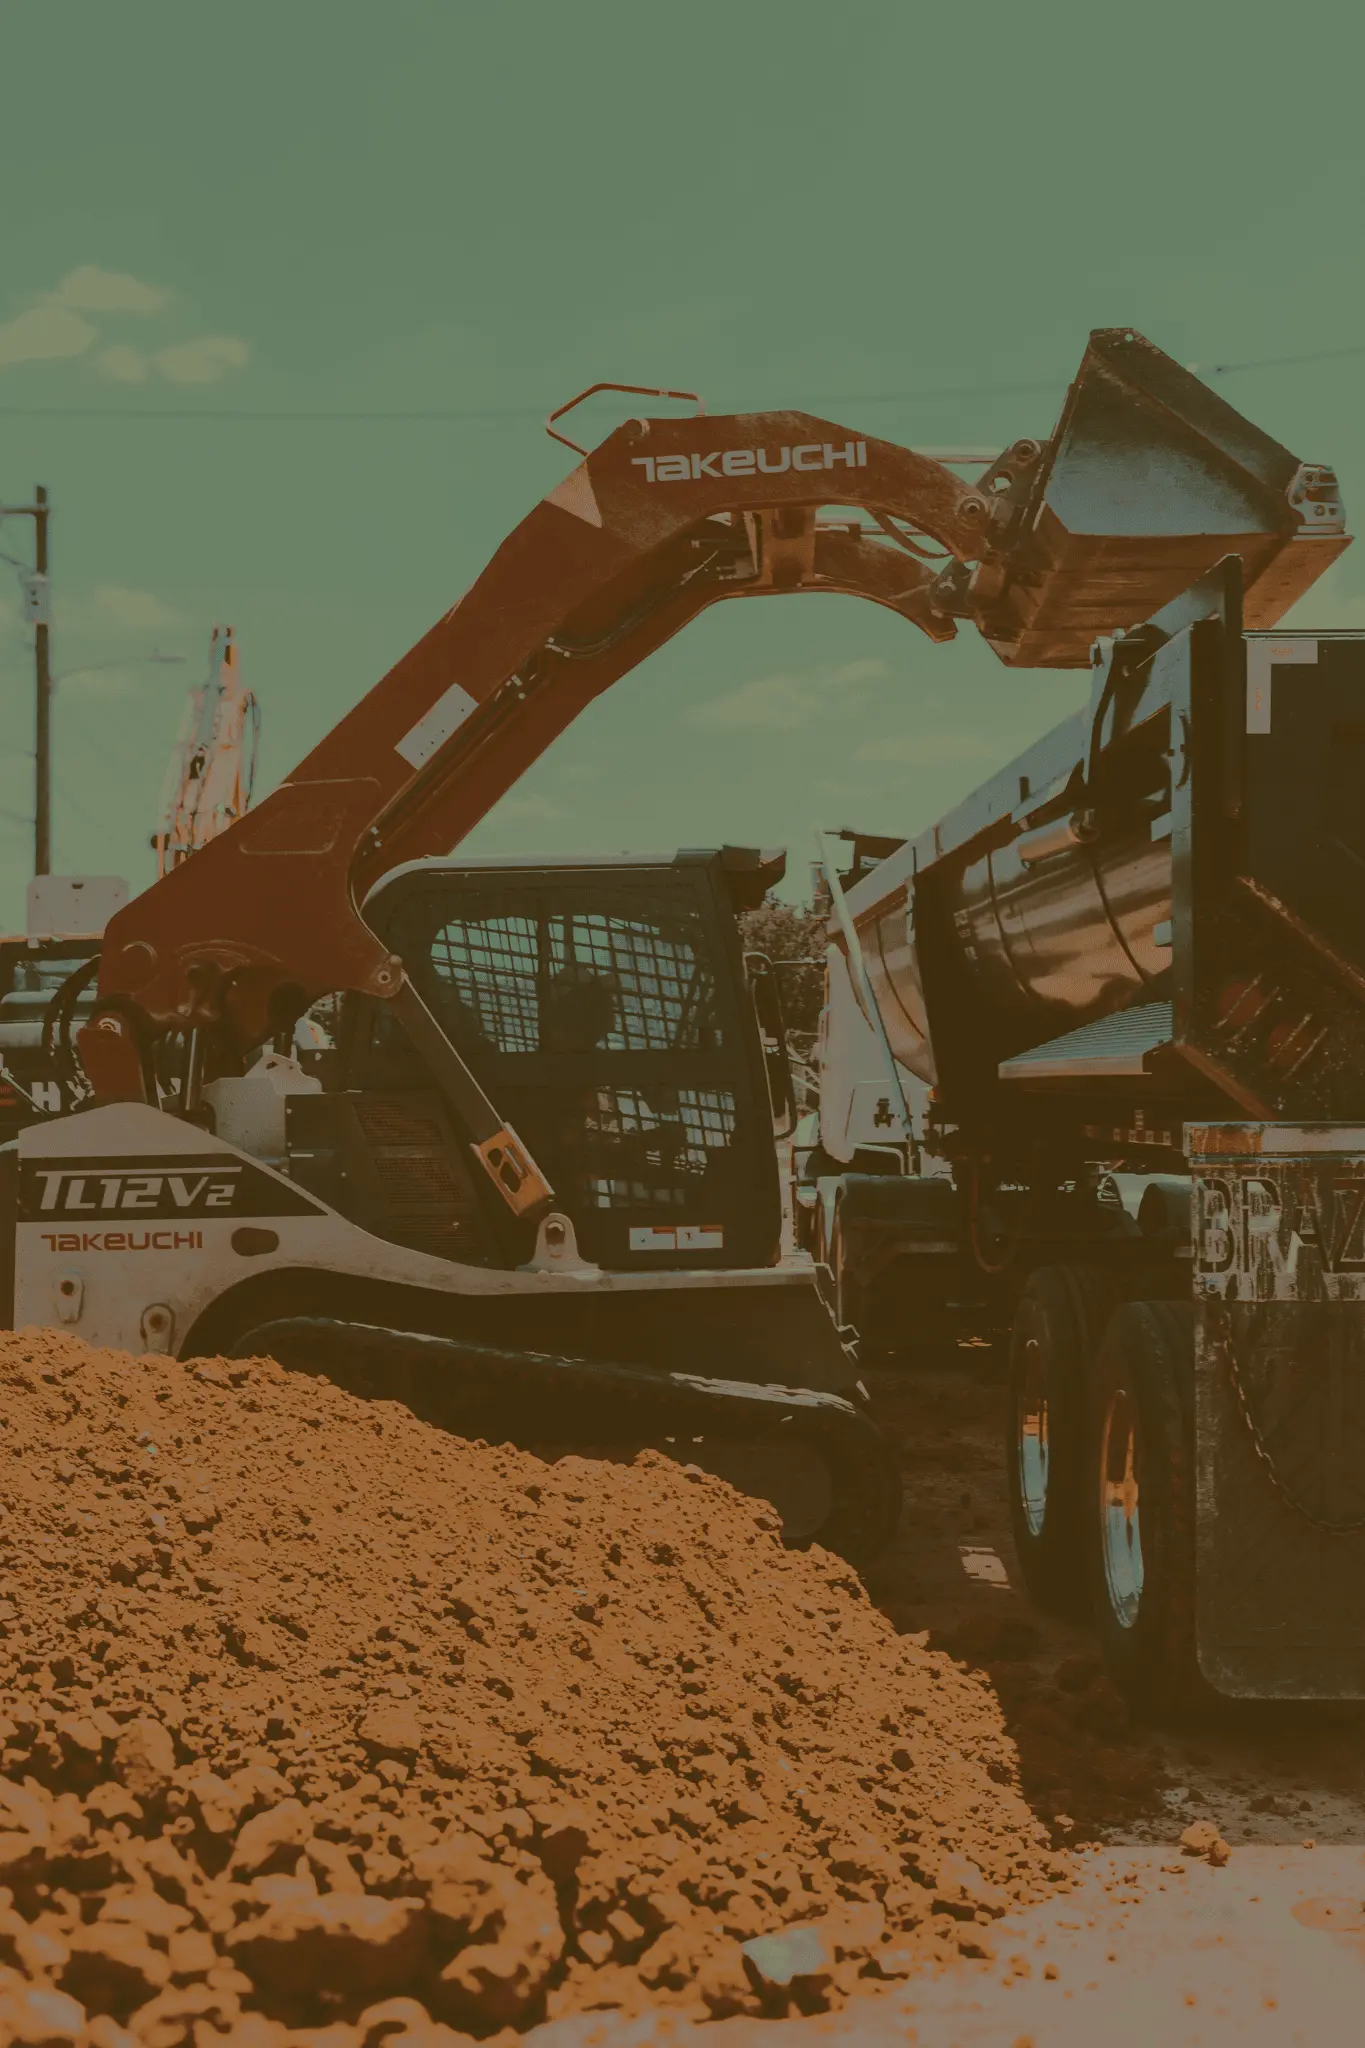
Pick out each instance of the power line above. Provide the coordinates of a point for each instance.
(1320, 355)
(475, 415)
(327, 415)
(447, 416)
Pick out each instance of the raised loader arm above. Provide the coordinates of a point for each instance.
(623, 553)
(1148, 478)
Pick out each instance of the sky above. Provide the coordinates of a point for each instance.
(907, 218)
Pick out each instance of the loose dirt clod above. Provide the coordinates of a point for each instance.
(1202, 1838)
(315, 1717)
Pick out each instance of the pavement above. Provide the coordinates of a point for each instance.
(1151, 1949)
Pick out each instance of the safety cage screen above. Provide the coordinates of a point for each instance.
(601, 1015)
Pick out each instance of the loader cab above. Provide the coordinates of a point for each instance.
(602, 1005)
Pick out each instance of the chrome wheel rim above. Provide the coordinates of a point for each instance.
(1121, 1530)
(1032, 1437)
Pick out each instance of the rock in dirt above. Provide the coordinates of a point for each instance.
(359, 1944)
(315, 1721)
(143, 1759)
(1202, 1838)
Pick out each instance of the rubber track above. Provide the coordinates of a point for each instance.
(531, 1398)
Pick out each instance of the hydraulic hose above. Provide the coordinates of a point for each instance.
(58, 1050)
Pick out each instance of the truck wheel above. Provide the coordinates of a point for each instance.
(1057, 1326)
(1142, 1504)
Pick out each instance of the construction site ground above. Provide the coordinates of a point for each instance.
(1266, 1774)
(1153, 1944)
(323, 1729)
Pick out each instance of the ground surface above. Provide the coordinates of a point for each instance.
(1263, 1773)
(307, 1706)
(1153, 1945)
(1263, 1953)
(319, 1729)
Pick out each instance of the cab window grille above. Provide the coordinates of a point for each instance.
(487, 972)
(576, 982)
(653, 1151)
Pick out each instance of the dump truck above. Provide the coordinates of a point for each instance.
(1093, 1084)
(534, 1190)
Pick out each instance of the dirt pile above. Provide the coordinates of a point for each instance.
(1082, 1763)
(315, 1717)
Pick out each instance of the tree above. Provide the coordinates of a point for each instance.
(791, 931)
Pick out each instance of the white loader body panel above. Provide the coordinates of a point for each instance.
(132, 1223)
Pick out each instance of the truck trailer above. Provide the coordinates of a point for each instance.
(1093, 1083)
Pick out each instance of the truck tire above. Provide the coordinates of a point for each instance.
(1142, 1505)
(1058, 1323)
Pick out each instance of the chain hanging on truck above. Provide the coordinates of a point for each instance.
(1265, 1458)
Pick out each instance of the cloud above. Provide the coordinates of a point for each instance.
(56, 328)
(764, 704)
(839, 791)
(865, 671)
(782, 703)
(940, 749)
(134, 611)
(88, 289)
(44, 334)
(123, 364)
(202, 361)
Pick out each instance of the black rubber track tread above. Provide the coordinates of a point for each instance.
(529, 1398)
(1077, 1301)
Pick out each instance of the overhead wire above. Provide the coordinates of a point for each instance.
(434, 415)
(473, 415)
(1318, 355)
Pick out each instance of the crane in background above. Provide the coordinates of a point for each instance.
(213, 767)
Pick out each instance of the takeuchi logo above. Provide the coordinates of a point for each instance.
(720, 462)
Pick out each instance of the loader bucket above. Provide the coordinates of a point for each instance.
(1149, 479)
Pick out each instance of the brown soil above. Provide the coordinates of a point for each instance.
(316, 1717)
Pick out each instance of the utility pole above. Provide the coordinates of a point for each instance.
(42, 694)
(35, 586)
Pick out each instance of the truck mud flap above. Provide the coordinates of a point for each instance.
(1280, 1413)
(823, 1463)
